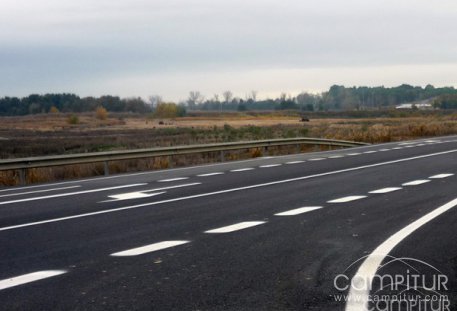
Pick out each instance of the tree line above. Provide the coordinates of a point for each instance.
(337, 98)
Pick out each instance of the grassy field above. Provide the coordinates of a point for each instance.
(54, 134)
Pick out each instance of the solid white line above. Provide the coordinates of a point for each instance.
(242, 169)
(149, 248)
(30, 277)
(226, 191)
(439, 176)
(358, 292)
(210, 174)
(236, 227)
(69, 194)
(348, 199)
(295, 162)
(269, 165)
(299, 211)
(354, 154)
(173, 179)
(416, 182)
(38, 191)
(316, 159)
(385, 190)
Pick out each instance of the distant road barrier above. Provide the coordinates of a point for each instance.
(22, 164)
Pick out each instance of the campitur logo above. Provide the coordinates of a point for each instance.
(399, 284)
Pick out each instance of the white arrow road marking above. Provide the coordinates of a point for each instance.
(190, 197)
(70, 194)
(133, 195)
(149, 248)
(30, 277)
(358, 292)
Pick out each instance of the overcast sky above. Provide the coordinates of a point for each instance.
(170, 47)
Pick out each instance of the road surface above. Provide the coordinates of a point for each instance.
(264, 234)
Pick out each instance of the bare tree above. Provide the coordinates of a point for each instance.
(253, 96)
(155, 100)
(195, 98)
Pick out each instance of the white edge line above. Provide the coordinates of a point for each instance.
(38, 191)
(28, 278)
(149, 248)
(358, 294)
(224, 191)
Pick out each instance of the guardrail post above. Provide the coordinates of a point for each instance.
(298, 148)
(106, 168)
(170, 162)
(222, 156)
(23, 176)
(265, 151)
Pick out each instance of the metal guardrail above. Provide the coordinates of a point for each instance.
(22, 164)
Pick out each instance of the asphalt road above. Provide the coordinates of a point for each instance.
(264, 234)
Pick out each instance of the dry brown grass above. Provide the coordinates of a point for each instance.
(51, 134)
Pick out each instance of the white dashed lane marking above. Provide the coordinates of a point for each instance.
(299, 211)
(316, 159)
(370, 151)
(236, 227)
(416, 182)
(295, 162)
(149, 248)
(384, 150)
(242, 169)
(348, 199)
(385, 190)
(28, 278)
(269, 165)
(336, 157)
(173, 179)
(439, 176)
(210, 174)
(354, 154)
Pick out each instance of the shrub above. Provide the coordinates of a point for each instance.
(101, 113)
(53, 110)
(73, 119)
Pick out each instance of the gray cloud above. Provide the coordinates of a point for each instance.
(67, 45)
